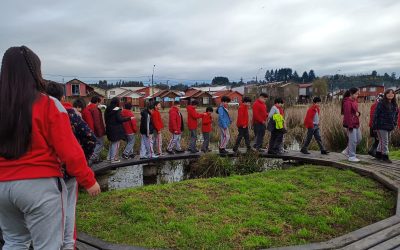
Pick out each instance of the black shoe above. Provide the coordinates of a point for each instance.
(385, 158)
(324, 152)
(194, 151)
(372, 153)
(260, 150)
(378, 155)
(235, 150)
(132, 156)
(305, 151)
(223, 151)
(170, 152)
(272, 152)
(126, 157)
(179, 151)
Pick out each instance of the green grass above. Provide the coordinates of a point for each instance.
(395, 154)
(269, 209)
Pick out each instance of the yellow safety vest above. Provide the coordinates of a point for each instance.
(278, 119)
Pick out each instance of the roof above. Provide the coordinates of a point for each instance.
(164, 93)
(371, 85)
(129, 93)
(134, 89)
(211, 88)
(226, 92)
(194, 93)
(305, 85)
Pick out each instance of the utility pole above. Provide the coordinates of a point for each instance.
(152, 81)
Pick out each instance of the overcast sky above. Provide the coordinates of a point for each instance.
(197, 40)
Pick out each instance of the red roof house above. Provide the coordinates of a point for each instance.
(235, 96)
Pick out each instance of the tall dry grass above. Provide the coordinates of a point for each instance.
(332, 131)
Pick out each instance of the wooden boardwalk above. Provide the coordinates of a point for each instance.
(383, 235)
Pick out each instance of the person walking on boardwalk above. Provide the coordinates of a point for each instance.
(130, 128)
(260, 115)
(114, 129)
(87, 140)
(372, 131)
(277, 127)
(146, 131)
(206, 127)
(385, 120)
(175, 126)
(36, 137)
(224, 121)
(243, 124)
(158, 126)
(193, 116)
(311, 122)
(351, 122)
(94, 118)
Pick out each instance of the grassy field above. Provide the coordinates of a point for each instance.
(273, 208)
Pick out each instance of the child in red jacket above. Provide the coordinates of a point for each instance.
(311, 122)
(193, 116)
(243, 124)
(130, 128)
(206, 129)
(158, 126)
(175, 126)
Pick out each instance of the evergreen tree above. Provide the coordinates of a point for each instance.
(311, 76)
(304, 77)
(295, 77)
(220, 80)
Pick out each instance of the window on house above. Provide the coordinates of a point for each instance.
(75, 89)
(236, 99)
(206, 100)
(372, 89)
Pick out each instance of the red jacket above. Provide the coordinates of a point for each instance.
(130, 127)
(192, 117)
(350, 113)
(94, 118)
(206, 123)
(260, 113)
(52, 143)
(157, 121)
(309, 118)
(243, 116)
(175, 120)
(371, 113)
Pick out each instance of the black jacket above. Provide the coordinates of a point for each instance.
(114, 129)
(385, 116)
(146, 123)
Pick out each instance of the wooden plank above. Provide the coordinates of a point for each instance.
(103, 245)
(375, 238)
(389, 244)
(83, 246)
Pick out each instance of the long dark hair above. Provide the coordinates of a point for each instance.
(20, 84)
(113, 103)
(389, 104)
(348, 93)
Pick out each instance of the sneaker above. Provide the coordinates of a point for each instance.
(115, 161)
(324, 152)
(305, 151)
(385, 158)
(170, 152)
(260, 150)
(154, 157)
(132, 156)
(223, 151)
(143, 157)
(344, 152)
(194, 151)
(179, 151)
(126, 157)
(378, 155)
(354, 159)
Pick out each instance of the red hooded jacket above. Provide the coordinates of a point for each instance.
(94, 118)
(260, 113)
(350, 113)
(175, 120)
(130, 126)
(192, 117)
(52, 143)
(371, 113)
(206, 123)
(243, 116)
(309, 118)
(157, 121)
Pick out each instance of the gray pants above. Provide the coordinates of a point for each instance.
(113, 151)
(157, 143)
(175, 142)
(225, 136)
(193, 139)
(206, 141)
(69, 234)
(310, 133)
(98, 148)
(129, 144)
(354, 139)
(259, 133)
(146, 146)
(33, 210)
(243, 133)
(383, 145)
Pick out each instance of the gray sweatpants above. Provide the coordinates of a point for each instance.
(33, 210)
(383, 145)
(193, 139)
(72, 196)
(354, 139)
(146, 146)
